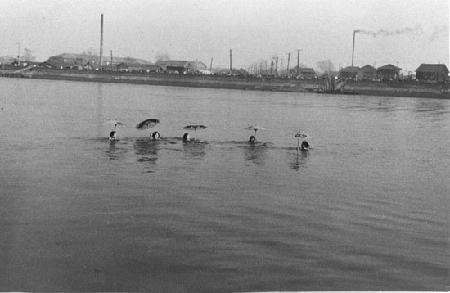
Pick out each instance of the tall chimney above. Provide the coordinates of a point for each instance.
(231, 61)
(289, 59)
(353, 50)
(101, 40)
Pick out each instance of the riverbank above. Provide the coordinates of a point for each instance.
(389, 89)
(201, 81)
(399, 89)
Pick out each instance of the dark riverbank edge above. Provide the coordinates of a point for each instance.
(387, 89)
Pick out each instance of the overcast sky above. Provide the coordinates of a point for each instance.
(403, 32)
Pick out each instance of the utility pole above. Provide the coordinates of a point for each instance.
(231, 61)
(110, 53)
(276, 65)
(18, 54)
(298, 61)
(101, 39)
(210, 65)
(289, 59)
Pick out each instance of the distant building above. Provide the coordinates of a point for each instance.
(235, 72)
(7, 59)
(367, 72)
(307, 73)
(88, 62)
(138, 68)
(65, 61)
(432, 72)
(182, 67)
(29, 64)
(197, 65)
(153, 68)
(122, 67)
(388, 72)
(205, 72)
(349, 72)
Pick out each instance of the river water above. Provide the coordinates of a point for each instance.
(365, 209)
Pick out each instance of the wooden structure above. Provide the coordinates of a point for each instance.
(306, 73)
(432, 73)
(388, 72)
(349, 72)
(367, 72)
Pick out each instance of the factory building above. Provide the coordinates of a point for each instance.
(181, 67)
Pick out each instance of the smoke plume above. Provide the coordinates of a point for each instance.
(325, 66)
(162, 56)
(384, 33)
(437, 32)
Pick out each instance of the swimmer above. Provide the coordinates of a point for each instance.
(112, 136)
(252, 140)
(156, 135)
(304, 146)
(186, 137)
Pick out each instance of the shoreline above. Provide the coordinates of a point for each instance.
(387, 89)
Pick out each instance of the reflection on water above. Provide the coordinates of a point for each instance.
(430, 109)
(194, 149)
(116, 150)
(99, 109)
(147, 152)
(298, 159)
(381, 104)
(255, 153)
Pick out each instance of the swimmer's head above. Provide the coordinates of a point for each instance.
(186, 137)
(305, 145)
(112, 135)
(156, 135)
(252, 139)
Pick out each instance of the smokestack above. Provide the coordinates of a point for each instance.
(353, 50)
(18, 53)
(101, 40)
(289, 59)
(231, 61)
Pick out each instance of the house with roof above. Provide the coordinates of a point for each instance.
(67, 61)
(89, 62)
(367, 72)
(349, 72)
(181, 67)
(306, 73)
(432, 73)
(388, 72)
